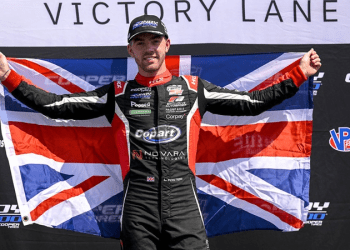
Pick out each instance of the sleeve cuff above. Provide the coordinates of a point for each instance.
(12, 81)
(298, 76)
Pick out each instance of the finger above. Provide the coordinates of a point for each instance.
(316, 60)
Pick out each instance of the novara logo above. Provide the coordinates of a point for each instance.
(174, 117)
(149, 23)
(140, 105)
(340, 141)
(165, 155)
(144, 89)
(174, 89)
(160, 134)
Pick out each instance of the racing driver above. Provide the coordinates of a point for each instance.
(152, 115)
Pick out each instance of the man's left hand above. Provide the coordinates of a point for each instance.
(310, 63)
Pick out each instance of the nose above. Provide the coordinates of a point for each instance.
(150, 46)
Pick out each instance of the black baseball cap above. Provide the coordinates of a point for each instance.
(146, 24)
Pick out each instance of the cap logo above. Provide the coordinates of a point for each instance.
(139, 24)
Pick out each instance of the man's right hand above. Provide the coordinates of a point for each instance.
(4, 67)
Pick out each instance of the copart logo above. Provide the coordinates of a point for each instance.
(340, 141)
(160, 134)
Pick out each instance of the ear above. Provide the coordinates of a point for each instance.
(130, 51)
(167, 45)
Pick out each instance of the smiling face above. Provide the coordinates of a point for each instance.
(149, 51)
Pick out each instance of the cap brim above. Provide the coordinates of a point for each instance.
(146, 31)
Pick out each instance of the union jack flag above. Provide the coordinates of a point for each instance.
(252, 172)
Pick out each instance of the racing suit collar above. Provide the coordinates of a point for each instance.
(155, 80)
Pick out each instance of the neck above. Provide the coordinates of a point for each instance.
(151, 81)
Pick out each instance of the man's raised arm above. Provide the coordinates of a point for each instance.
(77, 106)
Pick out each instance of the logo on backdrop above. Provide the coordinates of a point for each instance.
(317, 82)
(340, 141)
(109, 213)
(9, 216)
(347, 78)
(317, 213)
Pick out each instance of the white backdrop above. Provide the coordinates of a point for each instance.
(105, 22)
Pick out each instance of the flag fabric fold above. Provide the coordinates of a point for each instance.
(252, 172)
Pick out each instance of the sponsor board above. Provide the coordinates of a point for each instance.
(317, 82)
(108, 213)
(317, 213)
(340, 141)
(10, 216)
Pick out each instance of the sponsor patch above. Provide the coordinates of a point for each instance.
(144, 23)
(174, 89)
(175, 110)
(160, 134)
(140, 112)
(150, 178)
(146, 95)
(174, 117)
(176, 99)
(140, 105)
(176, 104)
(143, 89)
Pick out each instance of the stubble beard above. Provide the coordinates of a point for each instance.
(154, 67)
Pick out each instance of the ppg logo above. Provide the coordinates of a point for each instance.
(340, 141)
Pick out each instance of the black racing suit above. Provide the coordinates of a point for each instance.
(156, 125)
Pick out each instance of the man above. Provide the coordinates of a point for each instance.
(153, 115)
